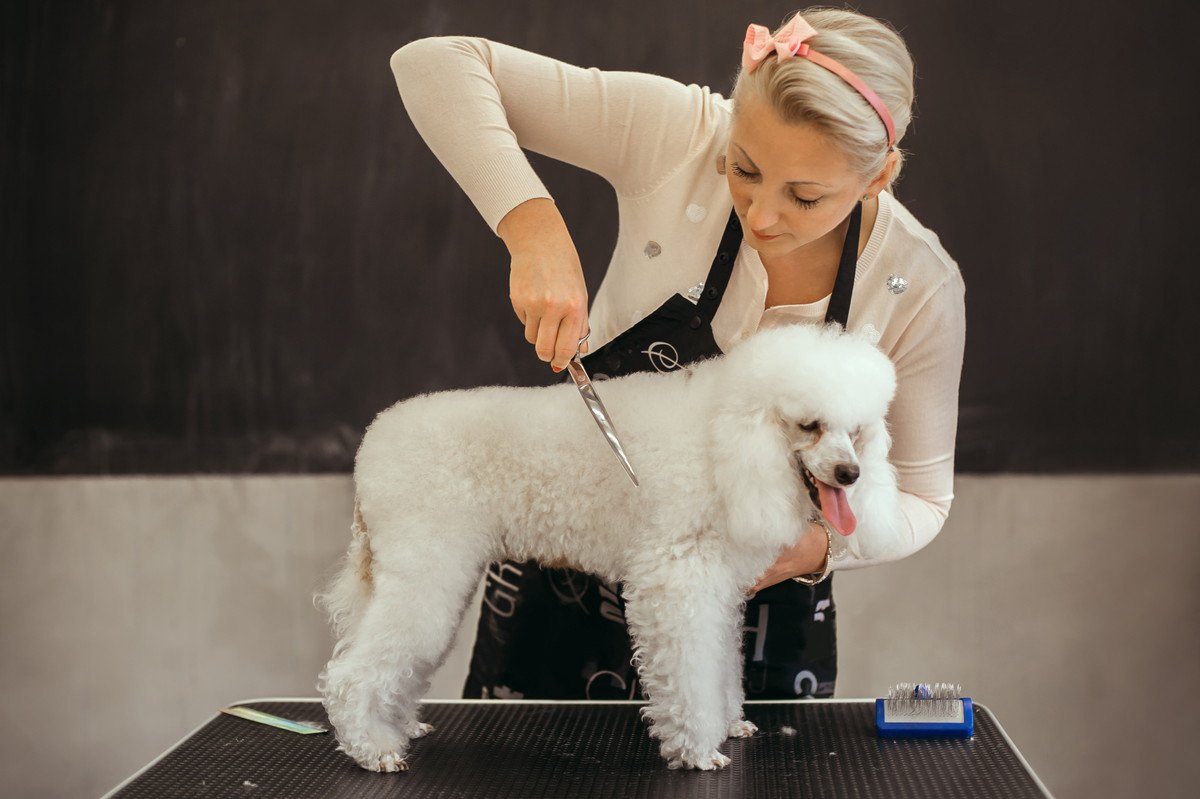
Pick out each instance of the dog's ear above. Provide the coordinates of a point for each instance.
(755, 477)
(876, 498)
(874, 443)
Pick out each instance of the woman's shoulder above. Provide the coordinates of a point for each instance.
(907, 277)
(909, 298)
(680, 130)
(909, 243)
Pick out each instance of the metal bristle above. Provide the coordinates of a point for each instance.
(924, 698)
(926, 690)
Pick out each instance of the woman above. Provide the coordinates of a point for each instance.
(767, 208)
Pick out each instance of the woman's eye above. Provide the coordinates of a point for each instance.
(800, 201)
(809, 427)
(741, 173)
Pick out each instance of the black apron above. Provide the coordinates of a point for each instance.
(561, 634)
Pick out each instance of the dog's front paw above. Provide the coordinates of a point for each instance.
(386, 761)
(710, 762)
(420, 730)
(374, 758)
(742, 729)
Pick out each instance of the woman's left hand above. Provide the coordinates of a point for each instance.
(806, 557)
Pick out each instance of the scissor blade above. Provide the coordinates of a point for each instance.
(599, 413)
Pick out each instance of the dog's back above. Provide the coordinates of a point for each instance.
(531, 466)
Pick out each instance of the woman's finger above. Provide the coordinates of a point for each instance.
(531, 327)
(568, 341)
(546, 342)
(584, 327)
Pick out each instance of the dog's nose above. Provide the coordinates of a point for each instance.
(846, 473)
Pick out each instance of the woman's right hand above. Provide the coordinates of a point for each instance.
(546, 285)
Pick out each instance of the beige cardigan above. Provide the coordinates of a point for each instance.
(477, 103)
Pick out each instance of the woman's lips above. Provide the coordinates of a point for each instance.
(764, 236)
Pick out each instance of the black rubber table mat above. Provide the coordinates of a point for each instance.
(589, 749)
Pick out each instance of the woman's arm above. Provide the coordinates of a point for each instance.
(545, 284)
(923, 419)
(478, 103)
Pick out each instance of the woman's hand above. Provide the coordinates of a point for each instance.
(806, 557)
(546, 285)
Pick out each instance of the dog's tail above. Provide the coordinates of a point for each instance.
(347, 593)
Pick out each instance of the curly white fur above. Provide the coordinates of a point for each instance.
(446, 483)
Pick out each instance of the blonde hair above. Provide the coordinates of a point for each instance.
(803, 92)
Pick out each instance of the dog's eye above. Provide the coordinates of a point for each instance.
(809, 427)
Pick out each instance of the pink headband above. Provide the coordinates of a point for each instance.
(791, 41)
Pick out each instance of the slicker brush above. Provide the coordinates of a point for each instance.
(925, 710)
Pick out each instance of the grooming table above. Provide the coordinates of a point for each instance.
(527, 749)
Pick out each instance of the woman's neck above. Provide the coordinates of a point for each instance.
(808, 274)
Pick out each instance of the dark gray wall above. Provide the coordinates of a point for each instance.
(224, 246)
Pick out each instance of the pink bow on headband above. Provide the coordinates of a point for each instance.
(759, 42)
(792, 41)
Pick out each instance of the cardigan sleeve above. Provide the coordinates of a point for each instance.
(923, 419)
(477, 103)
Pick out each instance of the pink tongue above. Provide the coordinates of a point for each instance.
(835, 508)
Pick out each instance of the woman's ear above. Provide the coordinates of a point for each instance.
(884, 177)
(755, 475)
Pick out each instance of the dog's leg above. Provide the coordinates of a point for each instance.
(373, 685)
(735, 690)
(679, 617)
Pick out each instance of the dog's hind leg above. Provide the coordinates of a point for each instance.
(422, 580)
(345, 596)
(680, 614)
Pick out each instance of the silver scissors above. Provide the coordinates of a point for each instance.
(584, 384)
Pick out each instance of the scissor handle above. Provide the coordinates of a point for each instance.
(579, 346)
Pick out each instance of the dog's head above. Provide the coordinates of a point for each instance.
(812, 402)
(831, 404)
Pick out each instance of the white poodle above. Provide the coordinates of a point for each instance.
(734, 454)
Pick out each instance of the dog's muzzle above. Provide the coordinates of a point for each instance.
(831, 500)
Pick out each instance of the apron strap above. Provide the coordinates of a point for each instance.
(731, 241)
(721, 269)
(843, 285)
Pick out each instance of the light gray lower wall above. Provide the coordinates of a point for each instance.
(131, 609)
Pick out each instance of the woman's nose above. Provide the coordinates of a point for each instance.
(761, 215)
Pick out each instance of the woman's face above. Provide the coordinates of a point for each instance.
(791, 185)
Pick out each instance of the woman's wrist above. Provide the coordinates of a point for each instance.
(817, 553)
(809, 556)
(532, 219)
